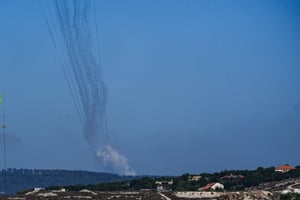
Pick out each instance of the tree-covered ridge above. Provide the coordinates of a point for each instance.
(232, 180)
(235, 179)
(20, 179)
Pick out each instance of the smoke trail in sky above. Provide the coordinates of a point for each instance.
(74, 34)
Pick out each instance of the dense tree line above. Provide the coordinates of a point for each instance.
(246, 178)
(290, 196)
(20, 179)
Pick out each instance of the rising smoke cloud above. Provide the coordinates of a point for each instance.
(113, 159)
(74, 35)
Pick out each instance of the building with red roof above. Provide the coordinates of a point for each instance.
(284, 168)
(212, 186)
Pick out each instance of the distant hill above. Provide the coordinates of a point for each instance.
(20, 179)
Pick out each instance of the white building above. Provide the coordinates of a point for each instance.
(217, 186)
(212, 186)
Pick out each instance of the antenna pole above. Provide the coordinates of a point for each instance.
(4, 153)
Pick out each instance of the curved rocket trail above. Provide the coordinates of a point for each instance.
(74, 38)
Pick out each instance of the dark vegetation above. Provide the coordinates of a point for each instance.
(21, 179)
(290, 196)
(250, 178)
(183, 183)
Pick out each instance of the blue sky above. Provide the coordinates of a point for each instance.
(193, 86)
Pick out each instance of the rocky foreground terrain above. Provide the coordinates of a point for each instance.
(266, 191)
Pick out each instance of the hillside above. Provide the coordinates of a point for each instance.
(277, 190)
(20, 179)
(233, 180)
(244, 181)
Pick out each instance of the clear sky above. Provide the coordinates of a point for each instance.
(193, 86)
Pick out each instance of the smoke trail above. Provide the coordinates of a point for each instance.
(75, 38)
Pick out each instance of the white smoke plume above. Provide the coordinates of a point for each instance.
(111, 158)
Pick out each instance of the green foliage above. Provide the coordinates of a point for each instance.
(290, 196)
(18, 179)
(78, 180)
(143, 183)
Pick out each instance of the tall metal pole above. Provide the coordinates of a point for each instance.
(4, 154)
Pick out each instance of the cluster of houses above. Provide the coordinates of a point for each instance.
(166, 185)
